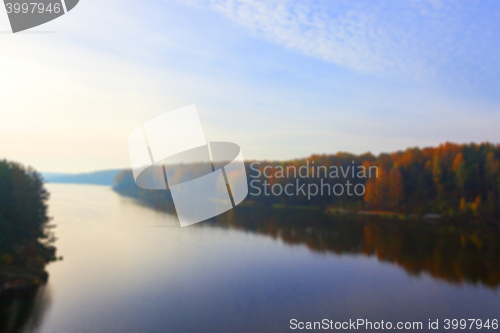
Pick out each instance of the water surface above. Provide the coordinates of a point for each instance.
(129, 268)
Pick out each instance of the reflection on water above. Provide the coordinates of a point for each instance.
(129, 268)
(457, 254)
(22, 311)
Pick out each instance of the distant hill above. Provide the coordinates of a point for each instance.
(104, 178)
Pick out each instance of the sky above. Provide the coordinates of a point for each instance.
(282, 79)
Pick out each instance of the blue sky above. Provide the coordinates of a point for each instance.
(283, 79)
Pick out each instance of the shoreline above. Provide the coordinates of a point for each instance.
(13, 278)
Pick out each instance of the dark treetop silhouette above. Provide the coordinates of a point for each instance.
(25, 234)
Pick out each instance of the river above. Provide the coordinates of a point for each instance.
(129, 268)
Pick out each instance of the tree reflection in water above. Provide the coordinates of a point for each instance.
(454, 253)
(457, 254)
(23, 310)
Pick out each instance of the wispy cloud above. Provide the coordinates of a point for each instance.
(416, 38)
(68, 100)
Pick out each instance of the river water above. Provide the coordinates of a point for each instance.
(129, 268)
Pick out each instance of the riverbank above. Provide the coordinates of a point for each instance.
(18, 278)
(385, 214)
(431, 218)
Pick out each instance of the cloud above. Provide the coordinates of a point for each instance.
(69, 99)
(415, 38)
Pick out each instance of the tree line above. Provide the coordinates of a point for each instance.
(457, 181)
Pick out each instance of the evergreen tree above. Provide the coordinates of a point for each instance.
(25, 234)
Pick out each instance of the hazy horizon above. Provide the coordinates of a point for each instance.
(250, 160)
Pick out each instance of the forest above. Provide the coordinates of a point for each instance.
(456, 181)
